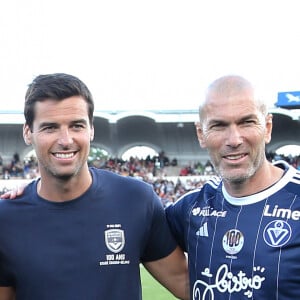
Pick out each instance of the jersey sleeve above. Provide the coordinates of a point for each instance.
(175, 218)
(160, 241)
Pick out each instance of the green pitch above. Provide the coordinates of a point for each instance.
(152, 290)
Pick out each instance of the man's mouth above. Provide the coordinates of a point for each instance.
(64, 155)
(234, 157)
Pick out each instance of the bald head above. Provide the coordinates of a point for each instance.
(234, 127)
(229, 86)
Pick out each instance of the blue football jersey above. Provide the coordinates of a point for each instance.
(241, 248)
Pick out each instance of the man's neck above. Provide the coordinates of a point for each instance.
(265, 177)
(60, 190)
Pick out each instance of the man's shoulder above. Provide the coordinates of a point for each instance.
(208, 190)
(291, 178)
(210, 185)
(113, 180)
(24, 199)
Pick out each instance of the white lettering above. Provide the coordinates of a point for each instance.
(209, 212)
(226, 281)
(120, 256)
(284, 213)
(114, 262)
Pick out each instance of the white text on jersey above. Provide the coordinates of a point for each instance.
(284, 213)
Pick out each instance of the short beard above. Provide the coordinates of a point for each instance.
(64, 177)
(239, 179)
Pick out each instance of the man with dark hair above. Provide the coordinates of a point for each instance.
(80, 232)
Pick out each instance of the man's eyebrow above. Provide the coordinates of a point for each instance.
(250, 116)
(84, 121)
(240, 118)
(217, 121)
(46, 124)
(247, 117)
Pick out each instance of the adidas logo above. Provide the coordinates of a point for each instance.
(203, 231)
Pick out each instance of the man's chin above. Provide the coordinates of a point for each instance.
(64, 176)
(234, 177)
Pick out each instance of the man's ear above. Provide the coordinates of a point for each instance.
(27, 134)
(269, 126)
(200, 136)
(92, 134)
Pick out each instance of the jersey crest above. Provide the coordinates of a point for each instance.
(114, 240)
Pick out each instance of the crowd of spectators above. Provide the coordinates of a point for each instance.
(17, 169)
(154, 170)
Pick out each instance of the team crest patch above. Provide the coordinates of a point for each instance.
(114, 240)
(233, 241)
(277, 233)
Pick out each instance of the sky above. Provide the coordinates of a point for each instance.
(149, 55)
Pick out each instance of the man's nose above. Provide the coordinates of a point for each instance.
(65, 137)
(234, 137)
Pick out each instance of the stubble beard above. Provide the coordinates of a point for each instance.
(241, 177)
(53, 172)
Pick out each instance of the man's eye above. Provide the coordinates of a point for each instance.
(249, 122)
(48, 128)
(78, 126)
(217, 126)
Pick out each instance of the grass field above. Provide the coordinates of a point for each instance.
(152, 290)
